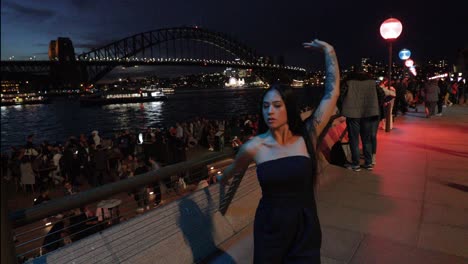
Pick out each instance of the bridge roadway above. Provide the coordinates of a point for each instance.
(150, 61)
(413, 208)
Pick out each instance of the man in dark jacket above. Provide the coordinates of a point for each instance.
(361, 108)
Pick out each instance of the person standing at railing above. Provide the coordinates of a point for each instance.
(141, 195)
(286, 227)
(154, 166)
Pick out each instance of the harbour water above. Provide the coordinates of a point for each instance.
(62, 118)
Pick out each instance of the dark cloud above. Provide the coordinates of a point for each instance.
(36, 13)
(87, 46)
(84, 4)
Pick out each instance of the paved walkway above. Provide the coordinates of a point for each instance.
(413, 208)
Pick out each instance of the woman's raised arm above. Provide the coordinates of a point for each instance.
(327, 105)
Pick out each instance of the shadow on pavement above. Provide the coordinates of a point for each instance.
(197, 227)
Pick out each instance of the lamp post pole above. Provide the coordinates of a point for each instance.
(390, 30)
(388, 116)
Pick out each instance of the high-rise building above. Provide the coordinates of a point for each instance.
(61, 50)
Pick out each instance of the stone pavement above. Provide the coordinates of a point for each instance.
(412, 208)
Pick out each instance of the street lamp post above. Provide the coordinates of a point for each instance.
(390, 30)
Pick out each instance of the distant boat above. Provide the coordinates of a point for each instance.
(17, 98)
(122, 97)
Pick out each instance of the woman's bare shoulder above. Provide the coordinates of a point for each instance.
(254, 144)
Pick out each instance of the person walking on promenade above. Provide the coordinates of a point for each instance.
(400, 100)
(431, 95)
(390, 94)
(286, 227)
(361, 109)
(461, 93)
(454, 92)
(443, 91)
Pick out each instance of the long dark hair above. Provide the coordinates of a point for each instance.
(294, 119)
(295, 123)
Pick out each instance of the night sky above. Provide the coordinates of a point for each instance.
(430, 31)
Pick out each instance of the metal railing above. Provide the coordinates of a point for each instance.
(23, 217)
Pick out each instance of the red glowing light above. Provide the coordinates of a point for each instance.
(409, 63)
(391, 28)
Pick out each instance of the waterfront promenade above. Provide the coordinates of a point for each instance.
(412, 208)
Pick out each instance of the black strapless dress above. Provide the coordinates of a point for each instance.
(287, 228)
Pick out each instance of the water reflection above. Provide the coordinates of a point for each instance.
(64, 117)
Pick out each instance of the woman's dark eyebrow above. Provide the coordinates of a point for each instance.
(272, 102)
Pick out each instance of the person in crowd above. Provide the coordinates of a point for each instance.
(75, 166)
(114, 160)
(96, 138)
(443, 91)
(148, 135)
(154, 166)
(57, 173)
(27, 156)
(140, 194)
(431, 95)
(14, 165)
(101, 166)
(43, 196)
(85, 154)
(82, 224)
(454, 92)
(248, 130)
(381, 96)
(131, 162)
(461, 92)
(55, 237)
(390, 95)
(124, 172)
(69, 189)
(30, 141)
(360, 106)
(236, 143)
(286, 226)
(179, 131)
(400, 101)
(124, 143)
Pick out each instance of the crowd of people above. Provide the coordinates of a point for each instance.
(102, 159)
(434, 93)
(367, 107)
(92, 160)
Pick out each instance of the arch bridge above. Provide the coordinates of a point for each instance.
(170, 46)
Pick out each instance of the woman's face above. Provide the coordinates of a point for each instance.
(274, 110)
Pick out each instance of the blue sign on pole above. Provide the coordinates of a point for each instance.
(404, 54)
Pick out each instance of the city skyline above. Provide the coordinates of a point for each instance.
(271, 28)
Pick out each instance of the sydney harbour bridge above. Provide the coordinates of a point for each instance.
(191, 46)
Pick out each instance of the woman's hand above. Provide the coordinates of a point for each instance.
(320, 45)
